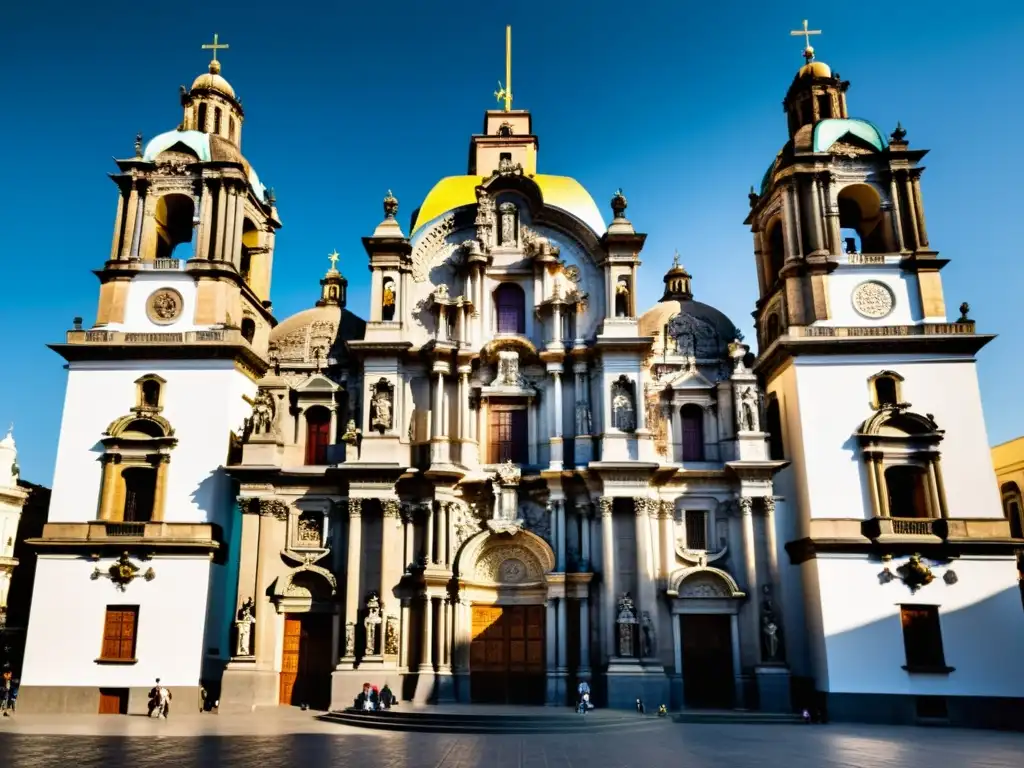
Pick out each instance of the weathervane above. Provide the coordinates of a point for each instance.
(215, 46)
(806, 34)
(505, 93)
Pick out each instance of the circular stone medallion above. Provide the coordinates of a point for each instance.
(873, 299)
(511, 571)
(164, 306)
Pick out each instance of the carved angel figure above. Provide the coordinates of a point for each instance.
(748, 410)
(263, 410)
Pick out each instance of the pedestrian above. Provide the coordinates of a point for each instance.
(154, 699)
(387, 698)
(582, 697)
(165, 702)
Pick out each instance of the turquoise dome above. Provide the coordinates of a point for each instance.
(201, 146)
(828, 132)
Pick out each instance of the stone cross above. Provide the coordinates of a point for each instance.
(215, 46)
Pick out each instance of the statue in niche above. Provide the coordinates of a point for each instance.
(748, 410)
(626, 623)
(263, 410)
(381, 406)
(647, 628)
(372, 623)
(310, 530)
(508, 212)
(391, 636)
(622, 298)
(769, 627)
(388, 301)
(508, 370)
(583, 422)
(623, 405)
(246, 619)
(350, 639)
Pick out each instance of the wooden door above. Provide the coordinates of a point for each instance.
(707, 661)
(507, 654)
(113, 701)
(290, 658)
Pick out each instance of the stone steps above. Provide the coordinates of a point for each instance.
(736, 716)
(473, 720)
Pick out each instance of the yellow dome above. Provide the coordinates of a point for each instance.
(562, 192)
(815, 69)
(213, 81)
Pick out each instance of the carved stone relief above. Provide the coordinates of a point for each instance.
(873, 300)
(164, 306)
(508, 564)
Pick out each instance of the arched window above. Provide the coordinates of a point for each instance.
(174, 226)
(772, 330)
(1013, 508)
(885, 388)
(860, 219)
(139, 494)
(907, 489)
(250, 240)
(773, 417)
(248, 329)
(622, 303)
(231, 128)
(318, 435)
(510, 308)
(692, 417)
(216, 120)
(388, 300)
(151, 393)
(201, 119)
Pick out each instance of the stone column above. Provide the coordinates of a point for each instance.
(427, 648)
(646, 600)
(922, 230)
(734, 622)
(136, 239)
(908, 193)
(389, 547)
(771, 544)
(608, 574)
(584, 668)
(585, 554)
(818, 212)
(226, 223)
(217, 235)
(444, 656)
(531, 425)
(563, 645)
(833, 216)
(160, 492)
(556, 456)
(237, 230)
(130, 220)
(115, 245)
(676, 425)
(406, 629)
(111, 462)
(794, 200)
(429, 531)
(897, 215)
(353, 568)
(677, 644)
(750, 571)
(551, 635)
(668, 543)
(464, 413)
(560, 565)
(409, 529)
(940, 487)
(443, 508)
(873, 487)
(206, 203)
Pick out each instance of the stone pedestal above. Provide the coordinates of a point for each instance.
(556, 694)
(583, 450)
(446, 688)
(628, 680)
(773, 688)
(244, 687)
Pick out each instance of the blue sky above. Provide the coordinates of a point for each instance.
(678, 103)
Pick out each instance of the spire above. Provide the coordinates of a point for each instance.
(211, 105)
(333, 285)
(678, 285)
(816, 93)
(806, 34)
(504, 94)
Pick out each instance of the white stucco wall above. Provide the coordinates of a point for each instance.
(136, 320)
(906, 308)
(202, 401)
(980, 615)
(834, 399)
(65, 634)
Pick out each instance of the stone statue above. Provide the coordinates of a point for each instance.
(263, 410)
(771, 639)
(508, 370)
(626, 622)
(391, 636)
(372, 623)
(508, 223)
(350, 639)
(748, 410)
(351, 435)
(583, 422)
(244, 626)
(310, 530)
(381, 406)
(647, 627)
(623, 406)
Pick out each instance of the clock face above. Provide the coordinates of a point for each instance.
(873, 300)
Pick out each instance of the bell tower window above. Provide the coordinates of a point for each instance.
(248, 329)
(201, 119)
(216, 120)
(861, 219)
(174, 224)
(824, 106)
(139, 494)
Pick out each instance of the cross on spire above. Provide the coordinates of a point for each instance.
(215, 46)
(333, 258)
(505, 93)
(806, 33)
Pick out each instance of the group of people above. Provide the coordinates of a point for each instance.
(372, 698)
(159, 700)
(8, 692)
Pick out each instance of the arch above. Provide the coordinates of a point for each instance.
(772, 329)
(773, 419)
(250, 240)
(149, 392)
(510, 308)
(907, 489)
(201, 119)
(774, 256)
(861, 219)
(886, 389)
(482, 556)
(896, 423)
(1013, 508)
(622, 297)
(173, 217)
(703, 582)
(248, 329)
(389, 299)
(692, 418)
(216, 120)
(140, 426)
(318, 435)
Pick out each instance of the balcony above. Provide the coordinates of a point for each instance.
(903, 527)
(926, 329)
(220, 336)
(97, 536)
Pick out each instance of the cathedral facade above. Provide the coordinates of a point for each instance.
(509, 478)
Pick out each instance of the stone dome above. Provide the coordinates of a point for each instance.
(299, 338)
(677, 312)
(212, 81)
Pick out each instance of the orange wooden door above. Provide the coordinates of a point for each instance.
(290, 658)
(112, 700)
(535, 620)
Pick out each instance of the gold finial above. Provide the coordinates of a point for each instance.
(675, 259)
(505, 93)
(806, 34)
(333, 258)
(215, 46)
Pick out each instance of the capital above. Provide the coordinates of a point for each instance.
(355, 507)
(606, 503)
(746, 505)
(769, 505)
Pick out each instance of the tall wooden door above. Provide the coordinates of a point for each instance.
(708, 681)
(306, 660)
(506, 660)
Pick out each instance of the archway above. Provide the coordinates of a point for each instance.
(305, 600)
(174, 224)
(503, 580)
(860, 219)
